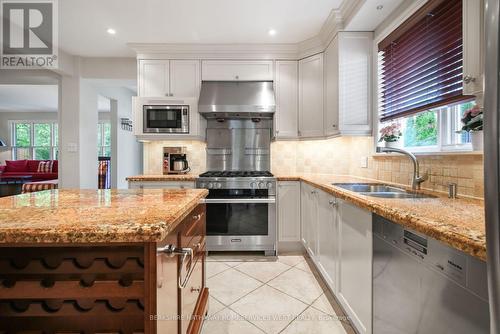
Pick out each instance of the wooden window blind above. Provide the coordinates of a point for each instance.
(422, 61)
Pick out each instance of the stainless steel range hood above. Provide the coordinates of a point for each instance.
(237, 99)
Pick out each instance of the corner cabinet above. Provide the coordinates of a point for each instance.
(311, 97)
(286, 89)
(169, 78)
(348, 84)
(473, 46)
(288, 211)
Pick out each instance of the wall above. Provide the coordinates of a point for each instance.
(343, 155)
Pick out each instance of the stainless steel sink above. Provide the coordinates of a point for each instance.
(380, 190)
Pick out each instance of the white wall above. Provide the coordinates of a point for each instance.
(88, 118)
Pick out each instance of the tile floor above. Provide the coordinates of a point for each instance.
(256, 294)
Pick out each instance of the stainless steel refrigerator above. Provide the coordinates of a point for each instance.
(491, 157)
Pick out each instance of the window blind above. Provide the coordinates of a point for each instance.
(421, 61)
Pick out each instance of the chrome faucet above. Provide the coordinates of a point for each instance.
(417, 179)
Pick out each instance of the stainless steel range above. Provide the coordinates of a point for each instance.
(241, 205)
(241, 211)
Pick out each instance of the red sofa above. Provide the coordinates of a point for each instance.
(28, 168)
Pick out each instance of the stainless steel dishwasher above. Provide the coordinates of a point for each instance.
(422, 286)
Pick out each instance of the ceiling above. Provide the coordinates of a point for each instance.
(371, 14)
(83, 23)
(36, 98)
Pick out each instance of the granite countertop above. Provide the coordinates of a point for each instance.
(459, 223)
(160, 177)
(95, 216)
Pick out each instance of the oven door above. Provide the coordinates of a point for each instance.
(166, 118)
(239, 223)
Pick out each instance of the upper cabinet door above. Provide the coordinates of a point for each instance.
(332, 89)
(154, 80)
(234, 70)
(311, 96)
(355, 82)
(286, 90)
(185, 78)
(473, 45)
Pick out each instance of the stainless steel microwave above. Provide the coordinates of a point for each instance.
(165, 118)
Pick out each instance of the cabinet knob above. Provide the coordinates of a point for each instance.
(193, 289)
(277, 131)
(334, 126)
(237, 77)
(468, 79)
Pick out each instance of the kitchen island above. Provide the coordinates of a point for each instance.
(86, 261)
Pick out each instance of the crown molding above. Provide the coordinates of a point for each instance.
(291, 51)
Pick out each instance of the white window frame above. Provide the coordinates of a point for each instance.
(53, 142)
(100, 146)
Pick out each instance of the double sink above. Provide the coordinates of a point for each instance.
(381, 190)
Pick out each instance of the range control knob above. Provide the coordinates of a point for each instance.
(219, 185)
(269, 184)
(253, 185)
(210, 185)
(262, 185)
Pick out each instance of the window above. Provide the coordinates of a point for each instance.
(104, 139)
(420, 78)
(34, 140)
(435, 130)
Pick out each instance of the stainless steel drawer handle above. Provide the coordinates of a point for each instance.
(193, 289)
(171, 250)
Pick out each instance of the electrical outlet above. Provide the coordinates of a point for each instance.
(363, 162)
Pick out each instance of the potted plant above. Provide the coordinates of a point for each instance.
(473, 123)
(390, 135)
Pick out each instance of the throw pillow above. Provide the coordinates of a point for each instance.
(45, 166)
(16, 165)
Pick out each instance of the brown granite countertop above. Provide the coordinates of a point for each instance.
(459, 223)
(160, 177)
(95, 216)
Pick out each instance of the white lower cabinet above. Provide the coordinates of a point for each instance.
(289, 211)
(355, 264)
(161, 185)
(328, 238)
(338, 237)
(309, 218)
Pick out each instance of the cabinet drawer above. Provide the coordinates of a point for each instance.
(194, 228)
(190, 295)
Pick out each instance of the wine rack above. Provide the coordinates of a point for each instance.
(85, 289)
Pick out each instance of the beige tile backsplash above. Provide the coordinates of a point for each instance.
(343, 155)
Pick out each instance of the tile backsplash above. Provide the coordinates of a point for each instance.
(345, 155)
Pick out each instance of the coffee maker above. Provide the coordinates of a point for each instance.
(175, 160)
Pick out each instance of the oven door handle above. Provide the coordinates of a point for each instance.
(269, 200)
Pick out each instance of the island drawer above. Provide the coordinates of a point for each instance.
(194, 229)
(190, 295)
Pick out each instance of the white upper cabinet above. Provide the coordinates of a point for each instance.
(286, 90)
(348, 84)
(185, 78)
(311, 97)
(473, 45)
(331, 125)
(159, 78)
(288, 211)
(234, 70)
(154, 78)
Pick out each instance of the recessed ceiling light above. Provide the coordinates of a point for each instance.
(111, 31)
(271, 32)
(379, 7)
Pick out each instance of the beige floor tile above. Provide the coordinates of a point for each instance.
(269, 309)
(313, 321)
(214, 306)
(291, 260)
(304, 266)
(230, 285)
(214, 268)
(323, 304)
(263, 271)
(228, 322)
(299, 284)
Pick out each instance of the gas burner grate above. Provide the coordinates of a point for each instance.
(237, 174)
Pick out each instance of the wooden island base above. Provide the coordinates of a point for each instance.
(105, 288)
